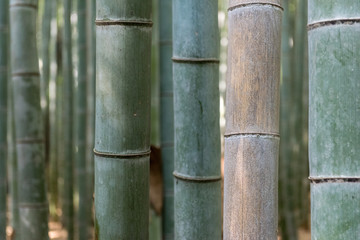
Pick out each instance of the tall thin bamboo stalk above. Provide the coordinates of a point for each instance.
(122, 132)
(68, 198)
(90, 105)
(286, 162)
(334, 113)
(196, 108)
(45, 74)
(252, 120)
(4, 72)
(33, 207)
(166, 117)
(301, 79)
(12, 166)
(81, 174)
(53, 138)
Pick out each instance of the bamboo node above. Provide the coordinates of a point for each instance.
(122, 155)
(139, 23)
(24, 5)
(196, 178)
(195, 60)
(318, 180)
(349, 21)
(261, 3)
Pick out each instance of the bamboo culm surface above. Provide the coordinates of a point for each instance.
(81, 174)
(334, 113)
(252, 120)
(122, 131)
(166, 117)
(4, 75)
(197, 175)
(33, 207)
(67, 171)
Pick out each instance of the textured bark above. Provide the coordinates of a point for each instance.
(252, 120)
(67, 128)
(122, 132)
(167, 117)
(196, 108)
(4, 72)
(81, 176)
(334, 140)
(33, 206)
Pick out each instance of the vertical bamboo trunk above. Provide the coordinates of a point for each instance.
(286, 174)
(122, 132)
(301, 78)
(81, 177)
(33, 207)
(53, 170)
(4, 71)
(68, 198)
(90, 105)
(12, 163)
(334, 113)
(166, 117)
(45, 74)
(252, 120)
(196, 108)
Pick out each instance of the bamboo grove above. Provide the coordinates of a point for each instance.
(179, 119)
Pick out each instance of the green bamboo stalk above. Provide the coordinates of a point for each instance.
(90, 106)
(4, 72)
(45, 74)
(68, 198)
(122, 132)
(302, 184)
(196, 108)
(287, 174)
(12, 163)
(33, 207)
(81, 174)
(166, 116)
(334, 113)
(53, 138)
(252, 120)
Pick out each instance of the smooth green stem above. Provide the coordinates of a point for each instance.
(197, 203)
(334, 113)
(33, 206)
(122, 132)
(81, 174)
(166, 117)
(4, 75)
(68, 175)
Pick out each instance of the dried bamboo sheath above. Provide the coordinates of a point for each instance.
(28, 120)
(252, 120)
(334, 126)
(196, 109)
(122, 134)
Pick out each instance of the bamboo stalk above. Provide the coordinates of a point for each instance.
(334, 139)
(33, 207)
(197, 188)
(68, 198)
(122, 132)
(53, 125)
(45, 74)
(287, 173)
(81, 174)
(166, 117)
(90, 106)
(4, 72)
(252, 120)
